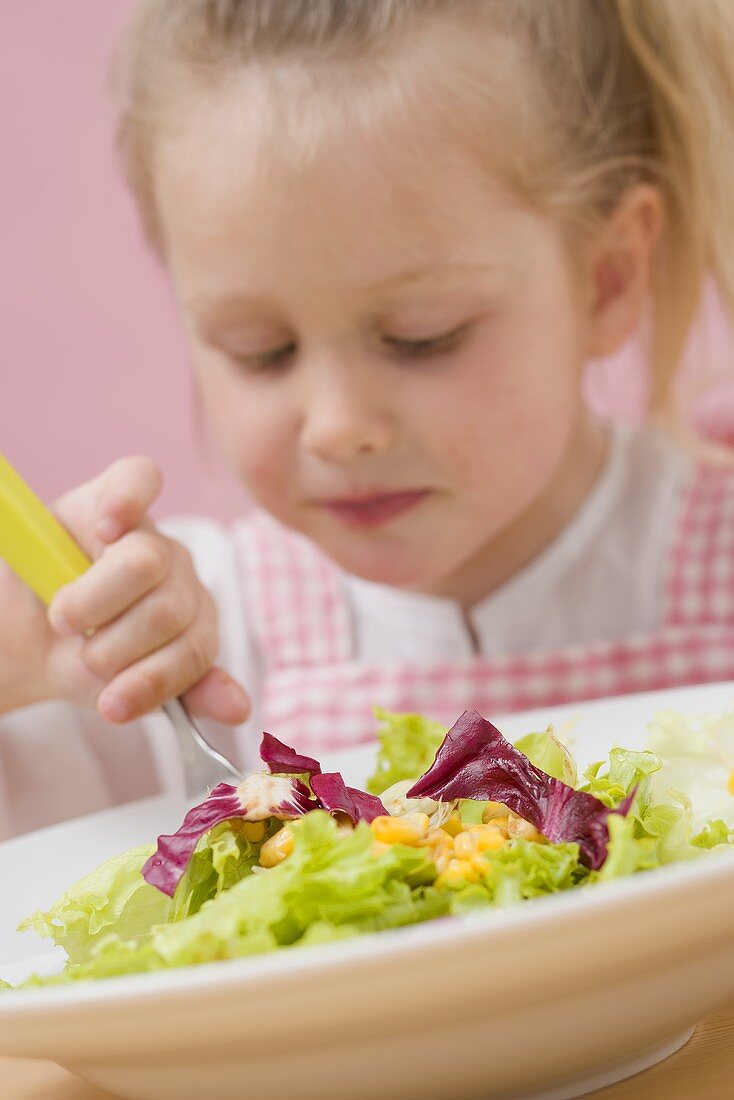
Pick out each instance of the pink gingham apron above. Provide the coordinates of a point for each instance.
(317, 694)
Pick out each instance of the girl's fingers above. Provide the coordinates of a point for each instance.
(161, 676)
(220, 697)
(126, 572)
(122, 494)
(152, 623)
(129, 488)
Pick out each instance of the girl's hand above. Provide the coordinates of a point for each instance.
(138, 628)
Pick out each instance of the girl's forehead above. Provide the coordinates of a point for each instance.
(242, 150)
(259, 181)
(351, 200)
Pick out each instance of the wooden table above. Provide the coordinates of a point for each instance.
(703, 1069)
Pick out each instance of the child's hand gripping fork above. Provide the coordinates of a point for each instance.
(45, 556)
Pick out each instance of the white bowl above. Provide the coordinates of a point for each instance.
(551, 998)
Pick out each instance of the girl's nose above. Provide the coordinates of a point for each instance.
(343, 420)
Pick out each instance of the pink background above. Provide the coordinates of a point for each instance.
(93, 365)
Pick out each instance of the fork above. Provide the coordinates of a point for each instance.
(45, 556)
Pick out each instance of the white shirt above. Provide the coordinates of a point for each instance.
(59, 761)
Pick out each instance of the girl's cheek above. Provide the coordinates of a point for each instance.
(248, 424)
(233, 418)
(259, 449)
(254, 453)
(261, 471)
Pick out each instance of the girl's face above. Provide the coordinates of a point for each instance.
(388, 349)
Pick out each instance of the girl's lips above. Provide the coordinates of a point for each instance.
(372, 511)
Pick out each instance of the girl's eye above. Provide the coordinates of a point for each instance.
(267, 360)
(428, 347)
(433, 346)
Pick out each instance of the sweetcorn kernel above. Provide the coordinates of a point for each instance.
(493, 810)
(481, 867)
(439, 836)
(276, 849)
(465, 845)
(254, 830)
(421, 821)
(453, 824)
(458, 873)
(441, 861)
(396, 830)
(377, 848)
(487, 838)
(439, 846)
(518, 826)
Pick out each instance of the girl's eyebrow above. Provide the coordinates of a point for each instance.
(213, 308)
(438, 272)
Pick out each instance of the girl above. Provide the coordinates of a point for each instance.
(396, 231)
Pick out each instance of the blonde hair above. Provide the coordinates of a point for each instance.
(622, 91)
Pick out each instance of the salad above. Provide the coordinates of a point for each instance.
(452, 821)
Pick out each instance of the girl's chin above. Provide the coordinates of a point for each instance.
(399, 566)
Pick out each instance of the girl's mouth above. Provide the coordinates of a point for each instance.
(374, 510)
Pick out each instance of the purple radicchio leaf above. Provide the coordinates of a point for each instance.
(330, 789)
(281, 759)
(476, 761)
(256, 798)
(334, 796)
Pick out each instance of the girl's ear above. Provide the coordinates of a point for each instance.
(620, 268)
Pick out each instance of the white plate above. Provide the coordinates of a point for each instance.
(555, 997)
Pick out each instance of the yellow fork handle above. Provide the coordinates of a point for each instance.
(32, 541)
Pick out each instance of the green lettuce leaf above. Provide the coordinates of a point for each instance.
(550, 755)
(222, 858)
(698, 757)
(669, 825)
(330, 887)
(713, 834)
(408, 744)
(626, 770)
(654, 835)
(522, 869)
(627, 853)
(114, 897)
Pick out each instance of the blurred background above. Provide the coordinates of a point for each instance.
(93, 366)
